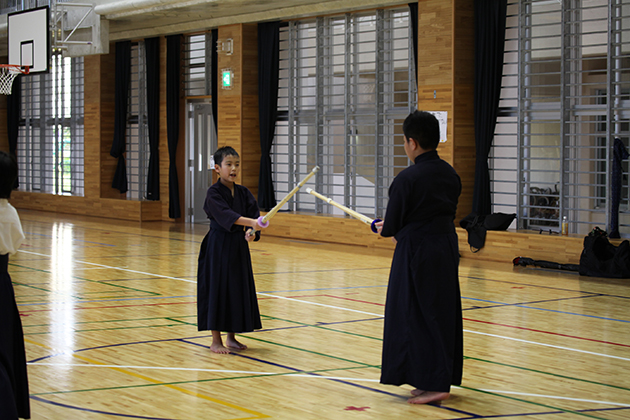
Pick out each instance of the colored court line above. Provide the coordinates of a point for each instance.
(474, 416)
(547, 332)
(502, 304)
(301, 374)
(323, 288)
(340, 297)
(90, 410)
(109, 231)
(112, 307)
(540, 286)
(73, 239)
(116, 268)
(256, 414)
(549, 345)
(558, 409)
(106, 300)
(318, 304)
(332, 270)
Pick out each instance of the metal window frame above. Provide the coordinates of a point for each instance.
(51, 110)
(580, 43)
(321, 113)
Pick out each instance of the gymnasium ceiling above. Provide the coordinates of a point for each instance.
(138, 19)
(131, 19)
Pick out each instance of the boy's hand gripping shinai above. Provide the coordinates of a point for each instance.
(263, 221)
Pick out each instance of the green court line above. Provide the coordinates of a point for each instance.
(103, 282)
(323, 328)
(307, 351)
(551, 407)
(117, 320)
(557, 375)
(111, 329)
(204, 380)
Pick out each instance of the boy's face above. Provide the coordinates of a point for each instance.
(229, 168)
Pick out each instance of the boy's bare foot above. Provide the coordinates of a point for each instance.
(417, 392)
(231, 343)
(219, 348)
(429, 397)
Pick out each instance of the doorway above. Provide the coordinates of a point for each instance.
(201, 145)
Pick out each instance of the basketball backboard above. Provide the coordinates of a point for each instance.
(29, 39)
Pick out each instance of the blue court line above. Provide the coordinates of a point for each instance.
(109, 231)
(332, 270)
(323, 288)
(543, 286)
(73, 240)
(345, 382)
(499, 416)
(547, 310)
(104, 300)
(184, 338)
(89, 410)
(498, 304)
(529, 303)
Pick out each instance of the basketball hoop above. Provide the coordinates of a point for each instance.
(8, 72)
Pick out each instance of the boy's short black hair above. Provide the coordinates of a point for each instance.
(224, 151)
(8, 174)
(424, 128)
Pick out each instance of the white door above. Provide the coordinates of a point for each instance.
(202, 143)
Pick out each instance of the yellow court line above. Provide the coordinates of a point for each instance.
(256, 414)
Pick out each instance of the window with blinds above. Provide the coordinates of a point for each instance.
(346, 85)
(197, 68)
(51, 133)
(565, 100)
(137, 135)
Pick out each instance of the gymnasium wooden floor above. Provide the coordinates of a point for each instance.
(109, 315)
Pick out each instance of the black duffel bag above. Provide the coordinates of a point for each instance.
(600, 258)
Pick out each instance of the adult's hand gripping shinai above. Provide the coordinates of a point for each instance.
(355, 214)
(263, 221)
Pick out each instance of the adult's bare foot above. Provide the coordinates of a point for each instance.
(429, 397)
(231, 343)
(219, 349)
(417, 392)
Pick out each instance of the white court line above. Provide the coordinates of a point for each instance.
(320, 304)
(550, 345)
(316, 376)
(116, 268)
(524, 394)
(247, 372)
(353, 310)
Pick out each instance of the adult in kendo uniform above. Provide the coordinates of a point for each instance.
(423, 334)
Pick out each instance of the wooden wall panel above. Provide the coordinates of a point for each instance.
(238, 123)
(446, 82)
(140, 211)
(500, 246)
(99, 199)
(463, 101)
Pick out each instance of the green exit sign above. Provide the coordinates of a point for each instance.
(226, 78)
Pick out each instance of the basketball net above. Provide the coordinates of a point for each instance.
(8, 73)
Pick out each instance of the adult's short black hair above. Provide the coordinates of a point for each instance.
(222, 152)
(8, 174)
(424, 128)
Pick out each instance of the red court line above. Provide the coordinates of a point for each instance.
(339, 297)
(486, 322)
(547, 332)
(109, 307)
